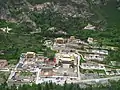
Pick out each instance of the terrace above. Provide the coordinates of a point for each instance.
(111, 72)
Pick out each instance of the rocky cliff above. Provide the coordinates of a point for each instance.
(20, 10)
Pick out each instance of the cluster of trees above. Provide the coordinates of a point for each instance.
(113, 85)
(16, 42)
(3, 76)
(49, 53)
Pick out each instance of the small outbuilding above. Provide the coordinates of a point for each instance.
(3, 63)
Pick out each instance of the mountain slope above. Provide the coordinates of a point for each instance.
(33, 21)
(20, 10)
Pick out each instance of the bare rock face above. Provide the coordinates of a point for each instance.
(74, 8)
(66, 10)
(83, 2)
(19, 10)
(16, 11)
(103, 2)
(4, 12)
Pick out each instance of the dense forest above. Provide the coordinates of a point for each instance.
(113, 85)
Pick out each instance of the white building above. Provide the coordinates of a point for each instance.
(94, 57)
(30, 55)
(90, 40)
(105, 52)
(89, 27)
(7, 29)
(48, 43)
(92, 66)
(68, 58)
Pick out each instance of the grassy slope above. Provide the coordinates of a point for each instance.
(109, 14)
(112, 15)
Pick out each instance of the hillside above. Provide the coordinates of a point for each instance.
(21, 10)
(33, 21)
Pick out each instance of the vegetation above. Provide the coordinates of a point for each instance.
(3, 76)
(113, 85)
(20, 39)
(49, 53)
(26, 73)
